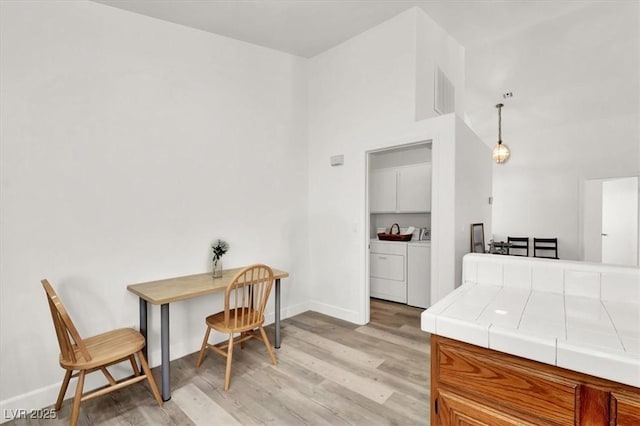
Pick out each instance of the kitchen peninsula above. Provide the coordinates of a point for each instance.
(536, 341)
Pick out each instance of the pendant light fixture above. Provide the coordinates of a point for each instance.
(501, 152)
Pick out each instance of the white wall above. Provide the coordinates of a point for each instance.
(128, 145)
(473, 165)
(362, 97)
(537, 192)
(436, 48)
(590, 135)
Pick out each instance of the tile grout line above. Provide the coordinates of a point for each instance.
(614, 325)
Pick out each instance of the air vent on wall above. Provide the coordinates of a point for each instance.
(444, 100)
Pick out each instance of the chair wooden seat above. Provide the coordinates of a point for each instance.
(106, 348)
(84, 356)
(217, 322)
(244, 303)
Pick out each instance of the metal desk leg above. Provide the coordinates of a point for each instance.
(164, 347)
(277, 343)
(143, 326)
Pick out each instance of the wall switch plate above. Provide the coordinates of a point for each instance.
(337, 160)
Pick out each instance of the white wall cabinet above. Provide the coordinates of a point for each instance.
(383, 190)
(414, 188)
(401, 189)
(419, 275)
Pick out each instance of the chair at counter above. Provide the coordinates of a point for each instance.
(548, 247)
(499, 247)
(518, 245)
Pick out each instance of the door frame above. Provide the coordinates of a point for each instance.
(581, 212)
(427, 139)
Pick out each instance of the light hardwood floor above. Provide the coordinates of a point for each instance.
(329, 372)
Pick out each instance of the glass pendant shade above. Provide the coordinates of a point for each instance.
(501, 153)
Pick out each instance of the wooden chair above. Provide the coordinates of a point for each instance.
(518, 243)
(548, 247)
(95, 353)
(244, 303)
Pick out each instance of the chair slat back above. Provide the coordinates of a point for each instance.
(518, 244)
(545, 245)
(66, 331)
(247, 295)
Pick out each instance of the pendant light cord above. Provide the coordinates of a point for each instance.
(499, 106)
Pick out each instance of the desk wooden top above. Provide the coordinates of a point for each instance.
(187, 287)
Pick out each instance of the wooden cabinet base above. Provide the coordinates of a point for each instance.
(471, 385)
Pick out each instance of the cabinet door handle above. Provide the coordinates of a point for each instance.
(382, 257)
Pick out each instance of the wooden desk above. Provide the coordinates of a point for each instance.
(164, 292)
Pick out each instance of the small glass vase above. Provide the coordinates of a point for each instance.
(217, 268)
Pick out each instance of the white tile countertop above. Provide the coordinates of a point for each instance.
(580, 316)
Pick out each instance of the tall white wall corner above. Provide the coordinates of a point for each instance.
(436, 49)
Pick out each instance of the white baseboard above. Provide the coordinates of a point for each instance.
(336, 312)
(46, 396)
(30, 402)
(290, 311)
(33, 400)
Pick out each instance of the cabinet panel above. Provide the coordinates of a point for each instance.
(627, 409)
(396, 291)
(387, 271)
(510, 386)
(414, 188)
(387, 266)
(382, 191)
(470, 384)
(594, 406)
(385, 247)
(401, 189)
(419, 275)
(458, 410)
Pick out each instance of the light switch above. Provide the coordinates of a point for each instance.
(337, 160)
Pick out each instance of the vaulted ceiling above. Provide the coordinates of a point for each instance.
(563, 60)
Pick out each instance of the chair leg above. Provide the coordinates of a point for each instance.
(152, 382)
(265, 339)
(134, 365)
(63, 389)
(243, 342)
(204, 347)
(227, 375)
(108, 376)
(76, 399)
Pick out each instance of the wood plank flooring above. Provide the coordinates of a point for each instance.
(329, 372)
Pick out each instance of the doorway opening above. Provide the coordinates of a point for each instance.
(610, 221)
(399, 185)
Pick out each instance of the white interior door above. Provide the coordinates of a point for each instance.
(592, 221)
(620, 221)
